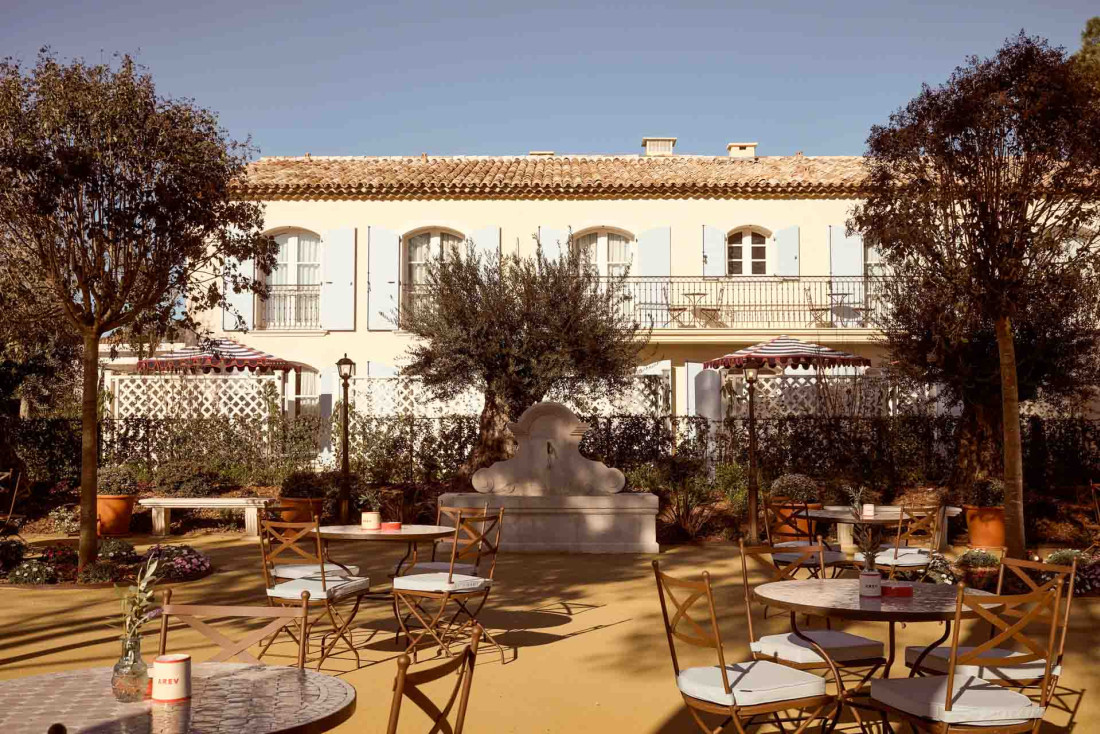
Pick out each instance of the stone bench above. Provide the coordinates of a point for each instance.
(162, 509)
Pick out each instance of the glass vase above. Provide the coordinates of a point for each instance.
(130, 678)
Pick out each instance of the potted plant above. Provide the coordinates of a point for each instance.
(978, 568)
(867, 541)
(302, 496)
(118, 487)
(369, 504)
(794, 488)
(985, 512)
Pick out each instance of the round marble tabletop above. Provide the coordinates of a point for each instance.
(883, 515)
(233, 698)
(840, 599)
(407, 533)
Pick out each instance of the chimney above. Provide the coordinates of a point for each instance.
(543, 153)
(658, 146)
(742, 150)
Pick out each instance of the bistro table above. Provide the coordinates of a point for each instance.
(845, 518)
(840, 599)
(410, 535)
(229, 698)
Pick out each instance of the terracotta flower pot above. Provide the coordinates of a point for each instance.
(986, 526)
(804, 526)
(301, 509)
(113, 512)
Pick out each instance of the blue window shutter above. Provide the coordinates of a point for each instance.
(654, 256)
(845, 253)
(552, 241)
(383, 270)
(242, 304)
(693, 369)
(786, 248)
(338, 280)
(487, 242)
(714, 250)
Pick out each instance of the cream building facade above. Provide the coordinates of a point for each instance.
(723, 251)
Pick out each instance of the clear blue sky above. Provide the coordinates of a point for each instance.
(505, 77)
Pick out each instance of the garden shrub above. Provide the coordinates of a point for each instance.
(34, 571)
(797, 487)
(188, 478)
(65, 520)
(12, 551)
(178, 562)
(985, 492)
(1088, 568)
(119, 480)
(100, 572)
(118, 551)
(59, 555)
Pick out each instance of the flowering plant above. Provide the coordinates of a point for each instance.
(179, 562)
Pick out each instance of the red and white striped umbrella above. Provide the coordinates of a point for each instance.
(785, 351)
(221, 354)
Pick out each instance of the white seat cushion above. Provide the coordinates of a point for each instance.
(466, 569)
(913, 558)
(335, 588)
(841, 646)
(437, 582)
(831, 557)
(752, 683)
(973, 701)
(939, 660)
(301, 570)
(791, 544)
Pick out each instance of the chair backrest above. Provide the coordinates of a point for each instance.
(918, 527)
(1038, 576)
(1009, 617)
(407, 685)
(296, 542)
(786, 520)
(682, 595)
(280, 617)
(477, 538)
(446, 515)
(764, 557)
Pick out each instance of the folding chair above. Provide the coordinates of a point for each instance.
(961, 702)
(301, 541)
(925, 661)
(918, 535)
(741, 692)
(281, 617)
(406, 685)
(414, 593)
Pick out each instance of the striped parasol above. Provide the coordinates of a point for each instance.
(220, 354)
(785, 351)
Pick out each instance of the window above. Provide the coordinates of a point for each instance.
(872, 262)
(419, 249)
(609, 252)
(746, 252)
(294, 285)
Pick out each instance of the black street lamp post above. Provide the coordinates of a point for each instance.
(345, 367)
(750, 380)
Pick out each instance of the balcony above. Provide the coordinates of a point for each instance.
(762, 303)
(291, 308)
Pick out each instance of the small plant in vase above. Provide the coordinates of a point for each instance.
(369, 504)
(130, 677)
(867, 541)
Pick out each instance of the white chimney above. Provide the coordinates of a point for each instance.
(543, 153)
(658, 146)
(742, 150)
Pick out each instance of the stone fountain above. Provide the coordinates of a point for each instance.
(555, 499)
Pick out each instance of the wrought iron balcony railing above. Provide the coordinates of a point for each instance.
(291, 307)
(756, 303)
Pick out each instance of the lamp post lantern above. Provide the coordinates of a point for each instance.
(345, 367)
(750, 380)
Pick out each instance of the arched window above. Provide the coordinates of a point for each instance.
(609, 251)
(422, 246)
(294, 284)
(746, 252)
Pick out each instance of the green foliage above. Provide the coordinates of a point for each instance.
(976, 558)
(117, 550)
(1088, 57)
(33, 572)
(177, 562)
(985, 492)
(309, 485)
(12, 551)
(65, 520)
(188, 478)
(138, 600)
(58, 554)
(797, 487)
(103, 571)
(119, 480)
(1088, 568)
(941, 571)
(732, 482)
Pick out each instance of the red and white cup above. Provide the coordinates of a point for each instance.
(172, 678)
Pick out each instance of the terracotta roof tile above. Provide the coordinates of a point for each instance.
(532, 177)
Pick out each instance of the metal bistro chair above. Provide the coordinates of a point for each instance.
(917, 537)
(301, 541)
(1026, 674)
(961, 702)
(281, 618)
(469, 553)
(740, 692)
(406, 685)
(415, 592)
(787, 525)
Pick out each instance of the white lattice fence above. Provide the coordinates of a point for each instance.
(190, 396)
(779, 396)
(380, 396)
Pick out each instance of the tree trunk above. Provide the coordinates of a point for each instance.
(89, 449)
(494, 442)
(1013, 453)
(976, 444)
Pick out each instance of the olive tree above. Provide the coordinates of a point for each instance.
(985, 190)
(118, 201)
